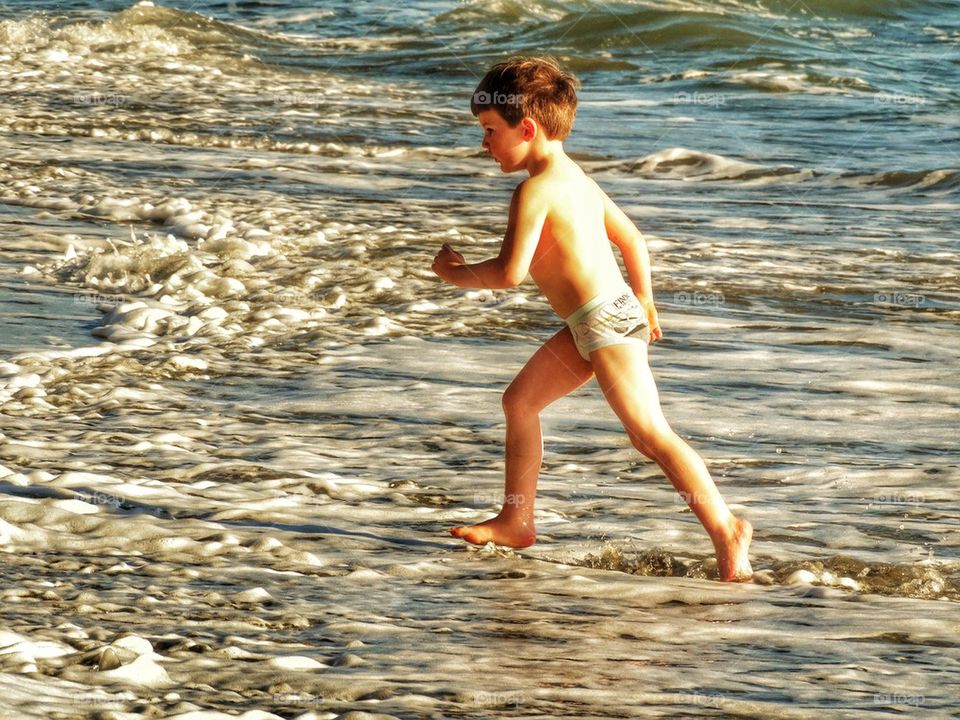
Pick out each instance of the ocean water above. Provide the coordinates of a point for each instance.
(239, 413)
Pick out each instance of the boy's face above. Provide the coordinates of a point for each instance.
(509, 146)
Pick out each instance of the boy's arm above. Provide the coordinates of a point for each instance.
(625, 235)
(510, 267)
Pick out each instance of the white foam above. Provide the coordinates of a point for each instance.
(248, 715)
(691, 164)
(135, 644)
(254, 595)
(144, 672)
(296, 663)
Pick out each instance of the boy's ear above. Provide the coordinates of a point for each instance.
(529, 128)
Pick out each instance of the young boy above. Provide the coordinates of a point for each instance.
(560, 230)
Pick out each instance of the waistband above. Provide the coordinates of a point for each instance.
(596, 302)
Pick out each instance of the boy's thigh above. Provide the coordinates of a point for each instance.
(553, 371)
(624, 376)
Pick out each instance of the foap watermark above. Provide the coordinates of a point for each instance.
(498, 699)
(98, 498)
(897, 498)
(703, 699)
(899, 299)
(699, 98)
(295, 698)
(97, 98)
(284, 297)
(97, 299)
(299, 498)
(688, 498)
(484, 98)
(884, 98)
(495, 498)
(698, 298)
(299, 99)
(99, 701)
(898, 699)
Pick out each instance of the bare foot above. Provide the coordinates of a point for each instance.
(512, 533)
(733, 559)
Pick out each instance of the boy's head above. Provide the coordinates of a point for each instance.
(529, 87)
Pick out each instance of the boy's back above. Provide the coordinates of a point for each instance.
(573, 260)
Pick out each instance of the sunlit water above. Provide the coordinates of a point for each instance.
(240, 413)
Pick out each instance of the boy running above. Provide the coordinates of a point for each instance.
(560, 229)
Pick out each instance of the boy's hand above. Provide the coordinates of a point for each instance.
(655, 332)
(445, 260)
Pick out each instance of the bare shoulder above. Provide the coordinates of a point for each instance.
(534, 187)
(610, 207)
(595, 187)
(560, 185)
(533, 192)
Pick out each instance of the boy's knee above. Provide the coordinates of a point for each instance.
(650, 439)
(513, 401)
(509, 401)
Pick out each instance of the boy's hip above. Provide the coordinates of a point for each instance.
(611, 318)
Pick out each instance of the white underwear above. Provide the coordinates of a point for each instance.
(612, 318)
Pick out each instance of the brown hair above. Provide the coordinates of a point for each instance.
(529, 87)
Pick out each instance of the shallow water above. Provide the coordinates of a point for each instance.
(239, 412)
